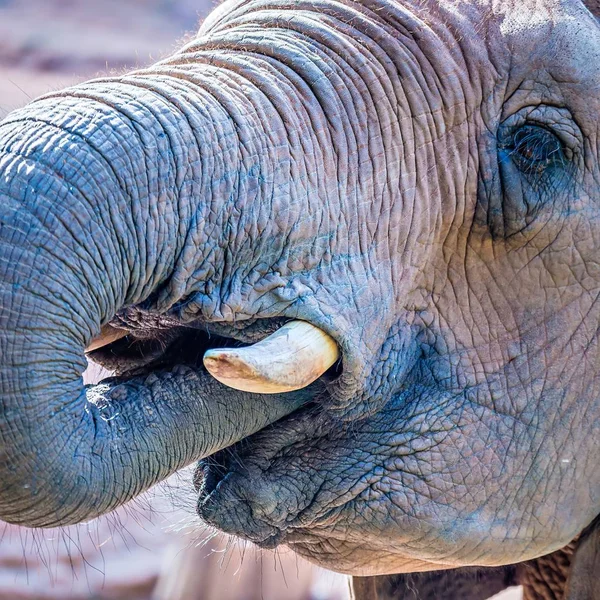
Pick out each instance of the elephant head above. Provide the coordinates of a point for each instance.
(419, 181)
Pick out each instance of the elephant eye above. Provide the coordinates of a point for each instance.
(540, 156)
(535, 148)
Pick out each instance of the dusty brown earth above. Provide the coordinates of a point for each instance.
(47, 45)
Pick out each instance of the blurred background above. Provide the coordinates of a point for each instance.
(154, 549)
(48, 44)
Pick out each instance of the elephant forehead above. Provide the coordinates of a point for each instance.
(559, 37)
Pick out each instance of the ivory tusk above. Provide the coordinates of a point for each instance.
(289, 359)
(108, 335)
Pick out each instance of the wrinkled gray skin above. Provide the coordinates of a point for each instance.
(419, 179)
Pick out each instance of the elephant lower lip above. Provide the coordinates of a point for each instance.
(222, 503)
(272, 541)
(210, 510)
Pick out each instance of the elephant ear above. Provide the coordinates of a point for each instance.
(593, 6)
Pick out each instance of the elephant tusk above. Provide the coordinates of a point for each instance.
(108, 335)
(289, 359)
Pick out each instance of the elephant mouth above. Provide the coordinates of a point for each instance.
(134, 352)
(240, 490)
(147, 353)
(267, 356)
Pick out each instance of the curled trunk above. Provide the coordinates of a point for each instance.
(108, 197)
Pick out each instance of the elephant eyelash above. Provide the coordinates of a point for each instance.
(535, 148)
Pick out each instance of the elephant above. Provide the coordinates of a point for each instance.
(341, 254)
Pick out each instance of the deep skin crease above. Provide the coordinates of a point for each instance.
(418, 179)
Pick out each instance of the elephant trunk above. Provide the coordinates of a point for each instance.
(107, 192)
